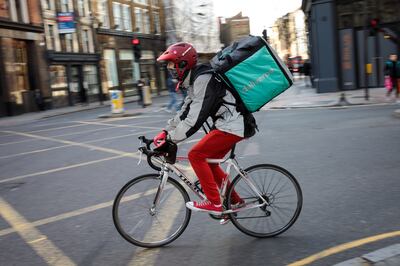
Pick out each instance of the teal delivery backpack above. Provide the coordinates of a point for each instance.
(252, 71)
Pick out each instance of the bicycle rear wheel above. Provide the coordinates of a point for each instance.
(139, 224)
(282, 192)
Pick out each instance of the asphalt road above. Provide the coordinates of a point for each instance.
(59, 176)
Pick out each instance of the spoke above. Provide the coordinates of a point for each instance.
(282, 188)
(279, 181)
(279, 213)
(245, 187)
(283, 208)
(286, 196)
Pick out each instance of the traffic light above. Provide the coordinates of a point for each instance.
(374, 26)
(137, 51)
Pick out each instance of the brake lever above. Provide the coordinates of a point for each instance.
(140, 152)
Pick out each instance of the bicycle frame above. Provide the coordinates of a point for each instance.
(231, 162)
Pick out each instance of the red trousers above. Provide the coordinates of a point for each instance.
(214, 145)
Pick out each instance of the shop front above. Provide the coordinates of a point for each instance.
(74, 79)
(121, 71)
(22, 79)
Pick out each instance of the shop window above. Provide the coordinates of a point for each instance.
(126, 66)
(90, 81)
(58, 85)
(15, 66)
(111, 68)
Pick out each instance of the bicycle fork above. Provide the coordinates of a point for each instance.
(164, 177)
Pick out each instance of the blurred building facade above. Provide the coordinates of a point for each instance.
(233, 28)
(288, 35)
(121, 21)
(71, 53)
(193, 21)
(23, 70)
(347, 52)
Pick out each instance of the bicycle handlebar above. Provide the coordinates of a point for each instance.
(149, 152)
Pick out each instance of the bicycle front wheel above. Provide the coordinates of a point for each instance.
(278, 188)
(145, 225)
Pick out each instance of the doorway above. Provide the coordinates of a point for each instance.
(77, 91)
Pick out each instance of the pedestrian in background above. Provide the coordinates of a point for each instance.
(392, 72)
(140, 85)
(307, 73)
(173, 105)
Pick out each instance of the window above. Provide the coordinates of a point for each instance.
(85, 41)
(81, 8)
(65, 6)
(122, 17)
(143, 2)
(142, 21)
(48, 4)
(127, 17)
(157, 26)
(52, 42)
(68, 42)
(126, 64)
(18, 10)
(4, 9)
(117, 16)
(90, 82)
(111, 68)
(103, 13)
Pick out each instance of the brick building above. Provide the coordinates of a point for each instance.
(23, 72)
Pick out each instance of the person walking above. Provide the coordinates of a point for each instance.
(307, 73)
(392, 72)
(173, 105)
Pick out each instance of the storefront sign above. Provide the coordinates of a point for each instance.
(66, 22)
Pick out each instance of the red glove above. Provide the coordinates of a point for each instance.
(160, 138)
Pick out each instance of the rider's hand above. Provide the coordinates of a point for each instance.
(160, 139)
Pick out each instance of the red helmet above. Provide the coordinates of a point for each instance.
(183, 55)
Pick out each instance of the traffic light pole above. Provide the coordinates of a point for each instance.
(366, 34)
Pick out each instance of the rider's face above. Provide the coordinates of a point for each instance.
(172, 70)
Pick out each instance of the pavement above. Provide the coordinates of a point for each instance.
(388, 256)
(299, 96)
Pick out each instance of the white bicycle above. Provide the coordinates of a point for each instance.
(149, 211)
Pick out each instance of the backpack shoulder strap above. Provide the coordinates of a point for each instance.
(200, 70)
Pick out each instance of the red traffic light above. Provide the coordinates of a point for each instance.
(374, 23)
(135, 41)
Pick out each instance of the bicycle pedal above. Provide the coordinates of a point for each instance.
(224, 220)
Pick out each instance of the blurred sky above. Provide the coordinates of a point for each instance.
(262, 13)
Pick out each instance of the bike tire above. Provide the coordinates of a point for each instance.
(266, 215)
(135, 206)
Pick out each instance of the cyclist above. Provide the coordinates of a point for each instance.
(204, 99)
